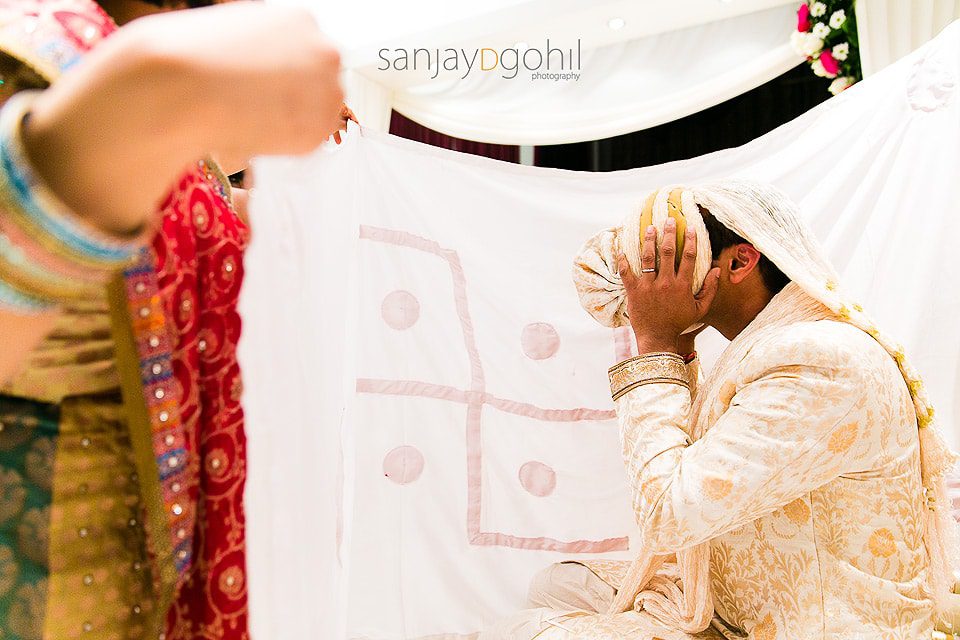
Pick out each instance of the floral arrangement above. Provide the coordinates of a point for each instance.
(827, 36)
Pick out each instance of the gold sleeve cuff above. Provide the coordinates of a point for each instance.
(649, 368)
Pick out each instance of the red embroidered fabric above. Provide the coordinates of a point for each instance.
(199, 254)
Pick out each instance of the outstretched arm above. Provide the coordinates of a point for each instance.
(110, 137)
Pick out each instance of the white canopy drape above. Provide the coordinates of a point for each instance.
(622, 88)
(662, 65)
(890, 29)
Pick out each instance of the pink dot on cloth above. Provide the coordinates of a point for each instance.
(540, 341)
(403, 465)
(400, 310)
(538, 479)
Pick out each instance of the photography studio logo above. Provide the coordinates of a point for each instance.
(550, 62)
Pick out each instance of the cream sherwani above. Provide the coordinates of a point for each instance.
(800, 466)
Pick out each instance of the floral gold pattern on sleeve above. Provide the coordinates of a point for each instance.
(804, 478)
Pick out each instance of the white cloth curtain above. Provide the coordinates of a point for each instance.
(424, 297)
(299, 383)
(890, 29)
(622, 88)
(371, 101)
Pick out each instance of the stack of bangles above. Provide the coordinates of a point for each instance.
(48, 255)
(649, 368)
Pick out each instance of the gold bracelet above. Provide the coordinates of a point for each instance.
(649, 368)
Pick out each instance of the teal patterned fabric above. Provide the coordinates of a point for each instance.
(28, 438)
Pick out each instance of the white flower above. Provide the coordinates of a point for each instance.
(817, 9)
(837, 18)
(841, 51)
(797, 40)
(806, 44)
(821, 30)
(819, 70)
(840, 84)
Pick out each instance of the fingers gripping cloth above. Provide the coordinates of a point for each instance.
(595, 272)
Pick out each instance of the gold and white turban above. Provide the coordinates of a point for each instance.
(595, 272)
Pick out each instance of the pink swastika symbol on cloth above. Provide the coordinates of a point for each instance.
(542, 344)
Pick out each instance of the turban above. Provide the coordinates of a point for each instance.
(595, 272)
(771, 222)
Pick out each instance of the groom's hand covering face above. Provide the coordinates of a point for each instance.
(660, 303)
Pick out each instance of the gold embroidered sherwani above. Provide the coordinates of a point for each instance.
(800, 467)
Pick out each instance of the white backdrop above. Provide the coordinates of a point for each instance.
(663, 64)
(424, 296)
(666, 62)
(890, 29)
(623, 87)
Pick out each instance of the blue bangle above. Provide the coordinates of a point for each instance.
(44, 210)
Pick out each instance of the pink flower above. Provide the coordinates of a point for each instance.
(803, 17)
(830, 64)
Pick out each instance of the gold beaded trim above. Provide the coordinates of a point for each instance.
(649, 368)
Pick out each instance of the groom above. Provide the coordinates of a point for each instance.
(784, 500)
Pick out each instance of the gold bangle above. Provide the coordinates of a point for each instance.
(649, 368)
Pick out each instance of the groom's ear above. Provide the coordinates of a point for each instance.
(744, 260)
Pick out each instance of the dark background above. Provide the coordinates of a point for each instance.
(728, 124)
